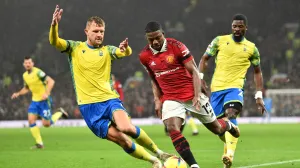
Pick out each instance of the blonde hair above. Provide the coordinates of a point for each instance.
(99, 21)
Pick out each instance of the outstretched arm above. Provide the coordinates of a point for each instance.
(54, 39)
(124, 49)
(23, 91)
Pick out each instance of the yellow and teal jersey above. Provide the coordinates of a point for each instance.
(35, 81)
(232, 61)
(91, 71)
(90, 68)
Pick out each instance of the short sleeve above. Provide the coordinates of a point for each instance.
(42, 75)
(255, 58)
(112, 50)
(212, 48)
(71, 45)
(182, 52)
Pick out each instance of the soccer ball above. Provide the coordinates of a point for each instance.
(174, 162)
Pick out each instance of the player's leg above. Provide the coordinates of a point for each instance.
(173, 116)
(98, 117)
(133, 149)
(181, 128)
(121, 119)
(44, 110)
(207, 117)
(191, 122)
(58, 113)
(34, 129)
(233, 107)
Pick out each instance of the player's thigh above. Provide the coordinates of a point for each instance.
(233, 103)
(173, 114)
(118, 137)
(206, 112)
(32, 118)
(96, 118)
(217, 102)
(44, 111)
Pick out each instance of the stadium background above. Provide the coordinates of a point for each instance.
(273, 26)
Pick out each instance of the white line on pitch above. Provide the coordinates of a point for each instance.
(269, 164)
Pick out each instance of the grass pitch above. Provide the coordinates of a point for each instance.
(79, 148)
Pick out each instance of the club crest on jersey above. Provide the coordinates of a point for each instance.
(83, 51)
(170, 59)
(100, 53)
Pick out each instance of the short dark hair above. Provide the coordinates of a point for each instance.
(27, 58)
(152, 27)
(99, 21)
(240, 17)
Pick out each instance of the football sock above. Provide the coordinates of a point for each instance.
(144, 140)
(139, 152)
(55, 117)
(182, 147)
(35, 132)
(231, 143)
(225, 149)
(193, 124)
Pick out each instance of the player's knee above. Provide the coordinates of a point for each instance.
(46, 124)
(172, 127)
(232, 113)
(128, 129)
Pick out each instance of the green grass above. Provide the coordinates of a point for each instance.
(79, 148)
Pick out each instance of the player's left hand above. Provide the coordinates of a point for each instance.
(196, 102)
(261, 105)
(123, 45)
(45, 96)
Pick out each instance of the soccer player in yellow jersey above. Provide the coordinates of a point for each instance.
(234, 54)
(40, 85)
(98, 101)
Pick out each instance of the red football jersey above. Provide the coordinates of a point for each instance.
(167, 67)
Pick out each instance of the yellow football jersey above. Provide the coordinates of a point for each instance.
(90, 68)
(35, 81)
(91, 72)
(232, 61)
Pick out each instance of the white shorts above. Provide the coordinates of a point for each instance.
(173, 108)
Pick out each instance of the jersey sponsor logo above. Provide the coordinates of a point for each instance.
(158, 74)
(152, 63)
(170, 59)
(231, 105)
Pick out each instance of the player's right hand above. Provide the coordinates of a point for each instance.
(15, 95)
(158, 107)
(56, 15)
(196, 102)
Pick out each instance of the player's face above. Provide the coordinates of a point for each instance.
(28, 64)
(95, 34)
(239, 28)
(156, 39)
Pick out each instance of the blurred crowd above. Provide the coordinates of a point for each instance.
(273, 27)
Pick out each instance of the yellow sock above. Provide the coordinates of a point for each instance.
(56, 116)
(225, 148)
(35, 132)
(139, 152)
(193, 125)
(144, 140)
(231, 143)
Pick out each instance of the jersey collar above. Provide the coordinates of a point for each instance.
(163, 48)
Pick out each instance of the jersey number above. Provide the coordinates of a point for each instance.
(47, 113)
(207, 108)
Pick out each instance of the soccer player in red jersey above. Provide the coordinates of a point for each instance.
(176, 85)
(118, 87)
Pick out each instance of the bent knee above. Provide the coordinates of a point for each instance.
(47, 124)
(128, 129)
